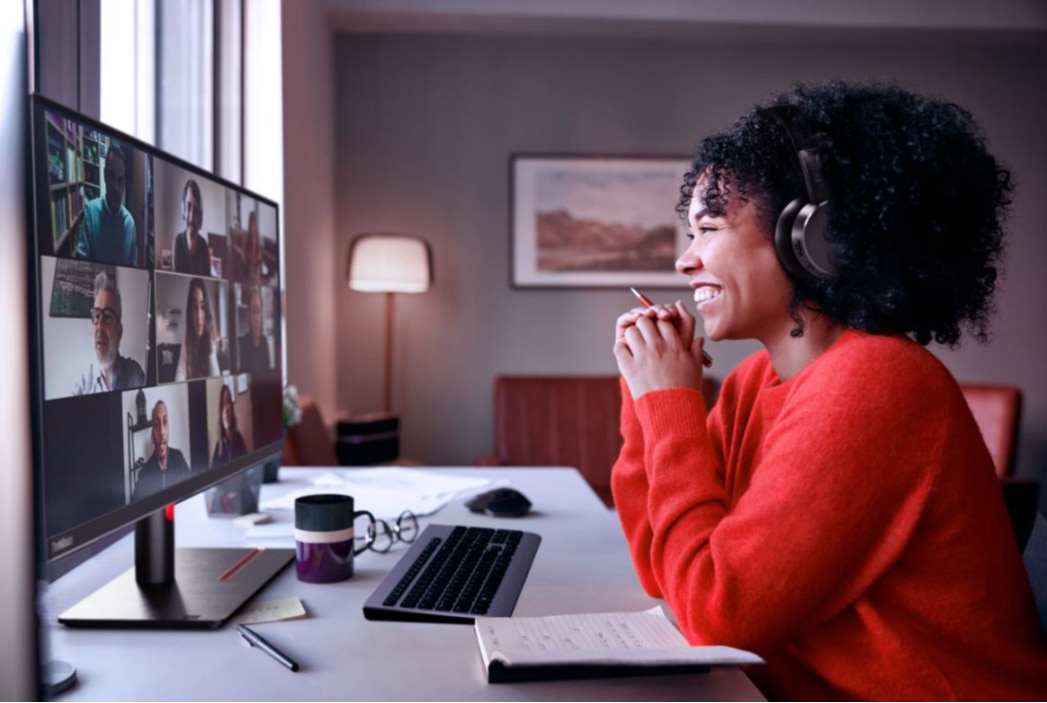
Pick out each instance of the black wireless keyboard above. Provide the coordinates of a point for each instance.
(452, 573)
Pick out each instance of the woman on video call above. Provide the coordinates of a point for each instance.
(249, 265)
(254, 345)
(199, 356)
(230, 443)
(836, 511)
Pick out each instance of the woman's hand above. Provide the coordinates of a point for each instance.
(655, 349)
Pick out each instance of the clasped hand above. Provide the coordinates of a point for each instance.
(655, 348)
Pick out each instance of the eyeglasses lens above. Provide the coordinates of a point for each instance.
(407, 526)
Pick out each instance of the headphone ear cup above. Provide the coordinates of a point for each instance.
(810, 247)
(799, 239)
(783, 240)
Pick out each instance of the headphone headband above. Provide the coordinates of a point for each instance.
(810, 156)
(800, 233)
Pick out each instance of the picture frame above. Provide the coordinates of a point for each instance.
(72, 294)
(596, 221)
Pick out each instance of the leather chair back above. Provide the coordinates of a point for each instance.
(559, 421)
(997, 409)
(562, 421)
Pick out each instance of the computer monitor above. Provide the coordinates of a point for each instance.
(156, 366)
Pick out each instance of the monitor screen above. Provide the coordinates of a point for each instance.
(156, 328)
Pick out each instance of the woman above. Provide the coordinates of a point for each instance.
(251, 262)
(230, 443)
(836, 511)
(199, 356)
(254, 345)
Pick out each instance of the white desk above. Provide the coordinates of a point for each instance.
(582, 566)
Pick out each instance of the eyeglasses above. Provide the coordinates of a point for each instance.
(381, 536)
(106, 315)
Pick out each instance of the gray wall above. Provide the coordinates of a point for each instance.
(425, 124)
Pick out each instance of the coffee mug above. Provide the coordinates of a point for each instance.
(323, 533)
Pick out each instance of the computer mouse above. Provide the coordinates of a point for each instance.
(500, 502)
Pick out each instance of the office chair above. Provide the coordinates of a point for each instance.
(997, 409)
(1035, 557)
(562, 421)
(309, 442)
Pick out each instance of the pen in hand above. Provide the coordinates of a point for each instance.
(256, 640)
(707, 360)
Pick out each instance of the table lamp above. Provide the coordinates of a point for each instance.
(389, 262)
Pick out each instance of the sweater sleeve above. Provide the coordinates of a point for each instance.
(85, 235)
(838, 481)
(629, 488)
(132, 237)
(629, 482)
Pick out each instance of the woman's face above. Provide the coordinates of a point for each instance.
(227, 411)
(740, 289)
(198, 311)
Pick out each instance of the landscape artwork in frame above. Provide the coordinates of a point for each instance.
(596, 221)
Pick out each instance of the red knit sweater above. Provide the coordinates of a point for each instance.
(846, 525)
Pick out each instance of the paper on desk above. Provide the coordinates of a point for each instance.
(634, 638)
(386, 492)
(271, 611)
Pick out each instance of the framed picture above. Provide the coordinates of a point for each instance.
(73, 292)
(592, 221)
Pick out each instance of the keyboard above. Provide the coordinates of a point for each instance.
(452, 573)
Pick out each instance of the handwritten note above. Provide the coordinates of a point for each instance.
(599, 631)
(641, 639)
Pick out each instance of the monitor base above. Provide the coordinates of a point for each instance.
(58, 676)
(209, 586)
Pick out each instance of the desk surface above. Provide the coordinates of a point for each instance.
(582, 565)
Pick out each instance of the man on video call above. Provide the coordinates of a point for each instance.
(109, 371)
(166, 466)
(191, 254)
(107, 231)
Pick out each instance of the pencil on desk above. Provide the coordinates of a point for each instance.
(707, 360)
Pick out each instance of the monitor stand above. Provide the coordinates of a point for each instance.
(177, 588)
(58, 676)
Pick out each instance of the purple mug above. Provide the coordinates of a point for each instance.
(323, 533)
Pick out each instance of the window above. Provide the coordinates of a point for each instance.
(127, 66)
(185, 80)
(172, 75)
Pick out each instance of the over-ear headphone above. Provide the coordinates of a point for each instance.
(799, 236)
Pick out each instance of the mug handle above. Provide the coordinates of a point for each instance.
(372, 531)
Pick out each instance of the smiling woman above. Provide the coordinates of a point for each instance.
(839, 487)
(740, 288)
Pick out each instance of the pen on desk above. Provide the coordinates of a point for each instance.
(256, 640)
(707, 360)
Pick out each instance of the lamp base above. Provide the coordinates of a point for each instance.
(368, 439)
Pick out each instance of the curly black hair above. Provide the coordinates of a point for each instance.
(915, 223)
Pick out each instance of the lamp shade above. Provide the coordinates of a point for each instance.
(390, 262)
